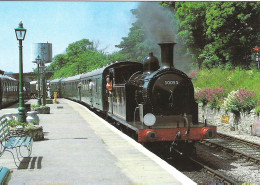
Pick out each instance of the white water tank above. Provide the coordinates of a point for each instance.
(42, 51)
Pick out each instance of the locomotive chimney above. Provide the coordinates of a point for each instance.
(167, 54)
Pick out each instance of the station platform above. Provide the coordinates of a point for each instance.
(82, 148)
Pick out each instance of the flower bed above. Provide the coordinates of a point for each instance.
(239, 101)
(36, 132)
(21, 129)
(212, 97)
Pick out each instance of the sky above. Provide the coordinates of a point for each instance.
(60, 23)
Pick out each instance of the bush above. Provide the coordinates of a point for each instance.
(35, 105)
(13, 123)
(240, 101)
(213, 97)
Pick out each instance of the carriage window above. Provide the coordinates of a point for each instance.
(91, 85)
(96, 85)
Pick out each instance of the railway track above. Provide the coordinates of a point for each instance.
(223, 178)
(238, 147)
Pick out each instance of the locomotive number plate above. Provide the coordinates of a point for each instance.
(171, 82)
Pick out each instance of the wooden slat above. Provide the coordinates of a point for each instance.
(20, 142)
(9, 142)
(3, 127)
(4, 174)
(4, 134)
(3, 118)
(17, 139)
(27, 142)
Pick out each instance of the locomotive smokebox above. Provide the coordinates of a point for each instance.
(167, 54)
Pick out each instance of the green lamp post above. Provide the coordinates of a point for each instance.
(38, 61)
(20, 35)
(43, 84)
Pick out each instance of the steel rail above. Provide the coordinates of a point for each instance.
(238, 139)
(225, 179)
(234, 152)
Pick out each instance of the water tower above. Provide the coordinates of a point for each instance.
(42, 54)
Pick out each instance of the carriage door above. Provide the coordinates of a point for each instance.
(111, 95)
(91, 89)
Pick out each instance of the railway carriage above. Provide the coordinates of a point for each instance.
(55, 86)
(69, 87)
(8, 91)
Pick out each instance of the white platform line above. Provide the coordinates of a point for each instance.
(170, 169)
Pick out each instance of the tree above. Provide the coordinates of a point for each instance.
(81, 54)
(79, 47)
(192, 27)
(233, 28)
(135, 46)
(219, 33)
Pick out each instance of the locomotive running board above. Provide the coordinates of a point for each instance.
(122, 121)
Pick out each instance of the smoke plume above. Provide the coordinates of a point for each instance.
(157, 22)
(160, 26)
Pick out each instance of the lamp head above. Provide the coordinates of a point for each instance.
(20, 32)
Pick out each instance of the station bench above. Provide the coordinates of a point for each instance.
(4, 175)
(9, 143)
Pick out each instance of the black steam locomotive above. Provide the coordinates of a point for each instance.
(154, 101)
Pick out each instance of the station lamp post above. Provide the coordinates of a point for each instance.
(20, 35)
(43, 83)
(38, 61)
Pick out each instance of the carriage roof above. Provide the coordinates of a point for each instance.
(4, 77)
(56, 80)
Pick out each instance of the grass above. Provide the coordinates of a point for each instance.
(229, 79)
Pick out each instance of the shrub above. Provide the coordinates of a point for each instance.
(35, 105)
(213, 97)
(13, 123)
(240, 101)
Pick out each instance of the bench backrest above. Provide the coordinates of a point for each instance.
(4, 128)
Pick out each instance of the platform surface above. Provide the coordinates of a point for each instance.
(82, 148)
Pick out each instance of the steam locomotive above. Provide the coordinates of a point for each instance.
(154, 101)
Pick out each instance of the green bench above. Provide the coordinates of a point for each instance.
(10, 143)
(4, 175)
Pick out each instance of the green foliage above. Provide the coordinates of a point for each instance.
(212, 97)
(231, 80)
(257, 109)
(35, 105)
(192, 27)
(240, 101)
(81, 56)
(217, 33)
(13, 123)
(30, 125)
